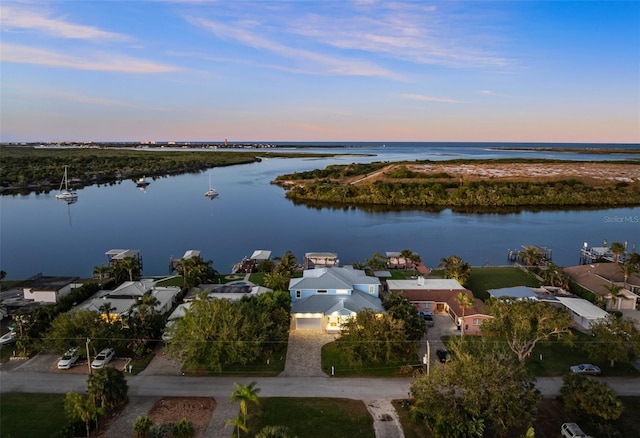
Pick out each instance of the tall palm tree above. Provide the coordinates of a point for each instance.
(238, 424)
(529, 256)
(132, 266)
(245, 394)
(617, 249)
(615, 293)
(456, 268)
(628, 268)
(101, 271)
(465, 301)
(287, 264)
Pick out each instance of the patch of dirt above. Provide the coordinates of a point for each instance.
(170, 410)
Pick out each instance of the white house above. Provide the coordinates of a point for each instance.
(48, 289)
(582, 311)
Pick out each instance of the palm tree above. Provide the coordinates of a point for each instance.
(245, 394)
(617, 249)
(101, 271)
(238, 424)
(456, 268)
(287, 264)
(529, 256)
(108, 386)
(131, 265)
(615, 293)
(628, 268)
(465, 301)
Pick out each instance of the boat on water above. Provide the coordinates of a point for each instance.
(211, 193)
(142, 182)
(65, 194)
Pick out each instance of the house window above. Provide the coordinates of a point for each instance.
(426, 305)
(298, 294)
(372, 289)
(322, 291)
(477, 321)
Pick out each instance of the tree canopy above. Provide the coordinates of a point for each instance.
(524, 323)
(483, 388)
(615, 339)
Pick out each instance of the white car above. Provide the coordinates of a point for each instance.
(103, 358)
(69, 359)
(8, 338)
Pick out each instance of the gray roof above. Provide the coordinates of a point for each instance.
(328, 304)
(331, 278)
(260, 254)
(514, 292)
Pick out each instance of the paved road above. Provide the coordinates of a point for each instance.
(354, 388)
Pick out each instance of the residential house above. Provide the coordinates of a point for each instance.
(598, 277)
(324, 298)
(125, 297)
(314, 260)
(44, 289)
(439, 296)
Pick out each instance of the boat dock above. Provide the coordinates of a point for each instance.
(544, 252)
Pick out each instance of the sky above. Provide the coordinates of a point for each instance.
(330, 70)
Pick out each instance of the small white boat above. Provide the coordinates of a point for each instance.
(65, 194)
(211, 193)
(142, 182)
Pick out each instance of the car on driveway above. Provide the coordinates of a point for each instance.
(8, 338)
(68, 359)
(427, 318)
(585, 368)
(103, 358)
(443, 355)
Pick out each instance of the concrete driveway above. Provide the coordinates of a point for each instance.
(304, 353)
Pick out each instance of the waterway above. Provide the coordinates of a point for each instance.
(41, 235)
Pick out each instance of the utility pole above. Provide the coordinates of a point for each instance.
(427, 358)
(88, 356)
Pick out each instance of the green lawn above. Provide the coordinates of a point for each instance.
(257, 368)
(557, 357)
(331, 357)
(31, 415)
(483, 279)
(313, 417)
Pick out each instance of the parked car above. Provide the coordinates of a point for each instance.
(443, 355)
(8, 338)
(428, 318)
(572, 430)
(68, 359)
(103, 358)
(585, 368)
(167, 336)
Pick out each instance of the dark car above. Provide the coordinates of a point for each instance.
(443, 355)
(428, 318)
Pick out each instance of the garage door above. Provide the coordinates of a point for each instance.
(308, 323)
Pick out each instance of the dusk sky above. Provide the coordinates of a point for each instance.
(542, 71)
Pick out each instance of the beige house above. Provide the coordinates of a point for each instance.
(598, 277)
(439, 296)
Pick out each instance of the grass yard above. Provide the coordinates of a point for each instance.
(255, 369)
(313, 417)
(31, 415)
(331, 357)
(483, 279)
(557, 357)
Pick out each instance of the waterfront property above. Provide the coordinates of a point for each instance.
(440, 296)
(598, 279)
(314, 260)
(324, 298)
(250, 264)
(43, 289)
(125, 297)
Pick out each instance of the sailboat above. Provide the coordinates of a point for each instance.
(70, 196)
(211, 193)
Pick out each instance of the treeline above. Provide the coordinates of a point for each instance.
(24, 170)
(568, 192)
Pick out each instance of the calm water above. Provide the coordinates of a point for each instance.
(39, 234)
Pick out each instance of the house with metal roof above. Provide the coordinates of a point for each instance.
(582, 311)
(324, 298)
(45, 289)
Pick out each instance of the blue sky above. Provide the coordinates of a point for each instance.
(542, 71)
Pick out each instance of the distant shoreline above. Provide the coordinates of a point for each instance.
(586, 150)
